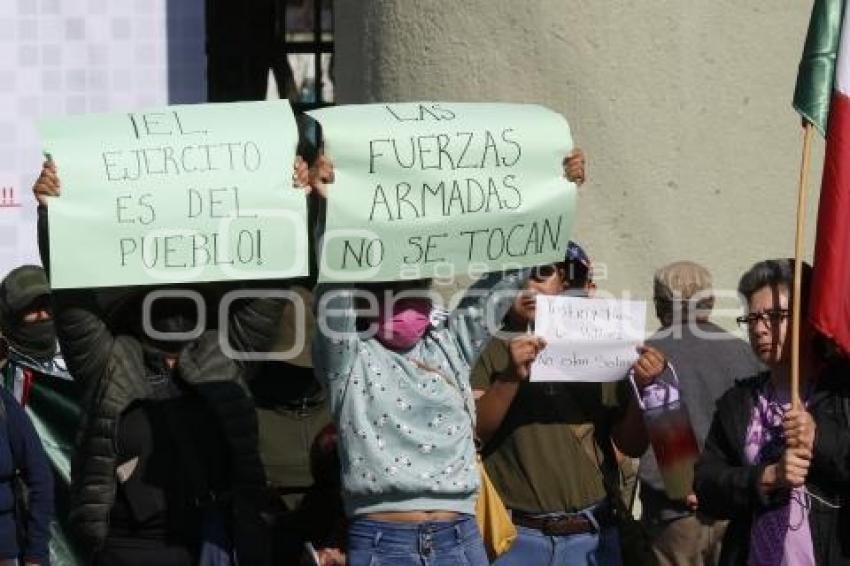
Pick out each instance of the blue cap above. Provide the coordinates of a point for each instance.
(576, 254)
(577, 265)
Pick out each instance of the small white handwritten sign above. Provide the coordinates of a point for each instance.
(587, 339)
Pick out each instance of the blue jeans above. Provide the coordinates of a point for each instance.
(532, 547)
(438, 543)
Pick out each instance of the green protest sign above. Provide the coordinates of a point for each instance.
(440, 189)
(177, 194)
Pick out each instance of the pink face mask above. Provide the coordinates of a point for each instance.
(405, 325)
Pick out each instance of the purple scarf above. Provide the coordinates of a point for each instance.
(780, 536)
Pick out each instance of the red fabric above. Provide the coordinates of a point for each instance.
(830, 299)
(29, 377)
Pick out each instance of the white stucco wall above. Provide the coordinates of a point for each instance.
(682, 106)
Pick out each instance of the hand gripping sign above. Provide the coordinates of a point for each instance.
(422, 186)
(176, 194)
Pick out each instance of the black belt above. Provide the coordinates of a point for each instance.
(571, 524)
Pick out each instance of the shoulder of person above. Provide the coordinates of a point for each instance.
(659, 337)
(752, 382)
(833, 382)
(203, 360)
(127, 350)
(10, 408)
(497, 350)
(835, 376)
(126, 343)
(742, 390)
(494, 359)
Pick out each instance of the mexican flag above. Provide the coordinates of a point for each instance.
(822, 97)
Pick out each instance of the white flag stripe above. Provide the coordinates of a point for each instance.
(842, 65)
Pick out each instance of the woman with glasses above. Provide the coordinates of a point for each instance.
(774, 471)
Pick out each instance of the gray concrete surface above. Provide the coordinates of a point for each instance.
(682, 106)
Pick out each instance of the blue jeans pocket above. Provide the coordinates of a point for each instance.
(473, 551)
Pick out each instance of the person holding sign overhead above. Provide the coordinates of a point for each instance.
(547, 447)
(166, 469)
(400, 393)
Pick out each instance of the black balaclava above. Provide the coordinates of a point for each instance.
(26, 288)
(170, 315)
(167, 314)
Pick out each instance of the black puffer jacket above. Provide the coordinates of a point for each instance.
(726, 485)
(111, 373)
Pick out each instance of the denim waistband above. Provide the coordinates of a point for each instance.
(412, 537)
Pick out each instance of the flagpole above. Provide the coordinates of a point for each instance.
(796, 312)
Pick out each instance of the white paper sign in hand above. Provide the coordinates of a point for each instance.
(587, 339)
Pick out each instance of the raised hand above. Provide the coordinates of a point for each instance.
(524, 350)
(649, 366)
(574, 166)
(47, 184)
(300, 173)
(321, 174)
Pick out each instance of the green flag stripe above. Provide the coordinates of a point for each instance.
(815, 78)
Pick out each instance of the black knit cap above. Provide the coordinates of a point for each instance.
(21, 287)
(19, 292)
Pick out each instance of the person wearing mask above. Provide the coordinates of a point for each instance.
(547, 447)
(167, 469)
(771, 470)
(403, 407)
(30, 344)
(707, 360)
(292, 409)
(28, 341)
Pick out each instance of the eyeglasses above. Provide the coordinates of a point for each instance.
(771, 318)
